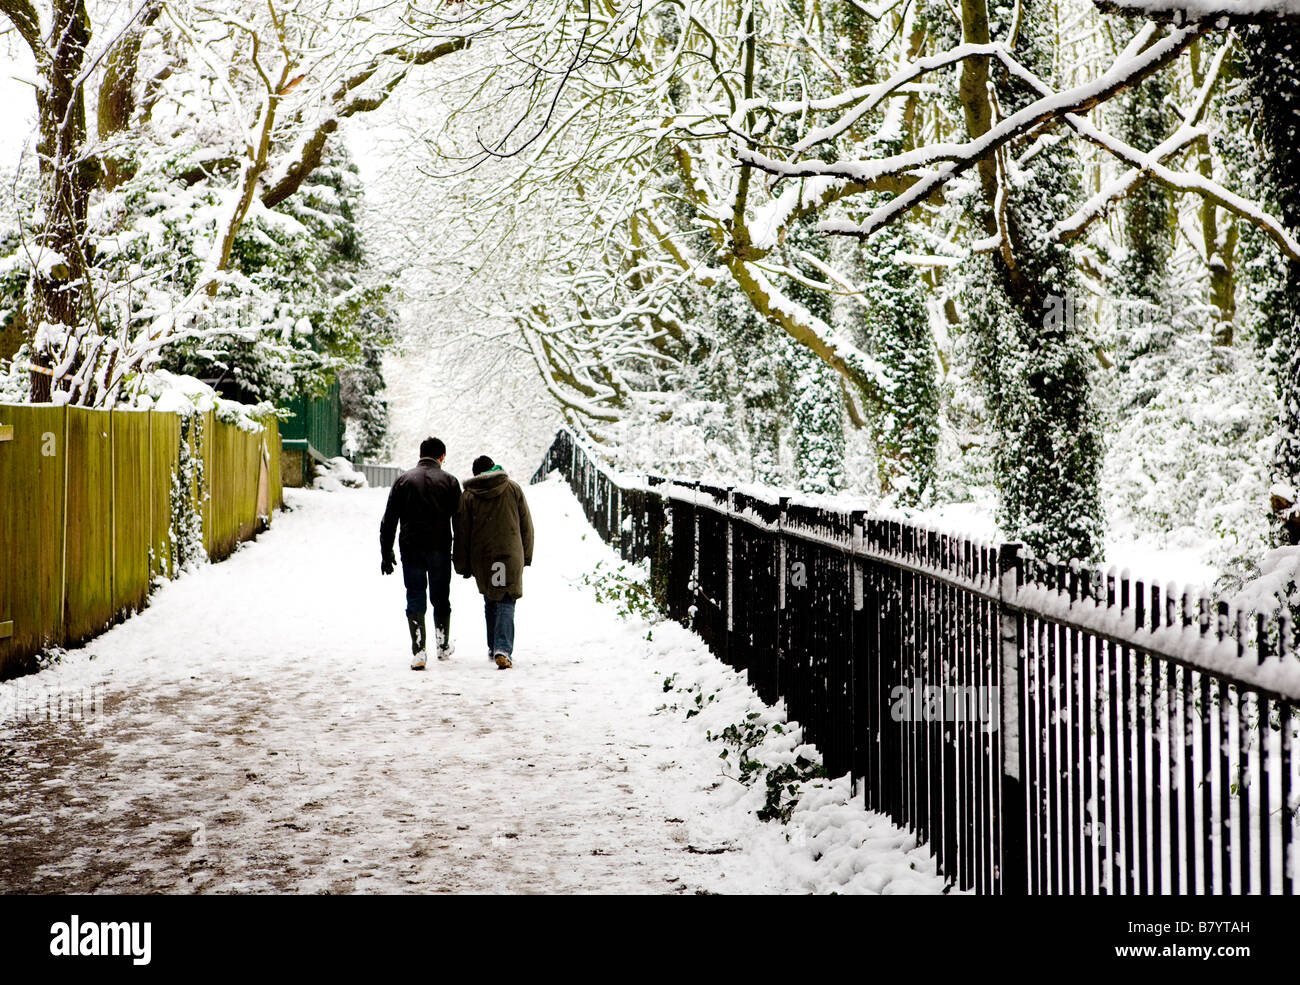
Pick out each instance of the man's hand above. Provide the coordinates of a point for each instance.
(388, 564)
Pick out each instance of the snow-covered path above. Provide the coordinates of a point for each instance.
(257, 729)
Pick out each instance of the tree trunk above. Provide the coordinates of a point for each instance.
(57, 293)
(1028, 350)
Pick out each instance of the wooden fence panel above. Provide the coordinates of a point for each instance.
(225, 487)
(231, 473)
(248, 479)
(88, 599)
(271, 442)
(216, 461)
(32, 461)
(234, 454)
(239, 479)
(133, 494)
(86, 513)
(164, 458)
(201, 445)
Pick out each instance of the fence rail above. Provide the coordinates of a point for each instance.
(89, 498)
(1043, 728)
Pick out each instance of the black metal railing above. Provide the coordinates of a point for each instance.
(1043, 728)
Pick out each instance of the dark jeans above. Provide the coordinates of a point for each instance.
(500, 617)
(428, 572)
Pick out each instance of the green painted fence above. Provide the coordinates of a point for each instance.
(317, 420)
(312, 432)
(86, 507)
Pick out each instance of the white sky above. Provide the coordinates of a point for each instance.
(17, 105)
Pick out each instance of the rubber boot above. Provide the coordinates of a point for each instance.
(442, 636)
(416, 625)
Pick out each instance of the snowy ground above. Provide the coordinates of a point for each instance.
(256, 729)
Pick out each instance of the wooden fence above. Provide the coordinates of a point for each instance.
(86, 507)
(1043, 728)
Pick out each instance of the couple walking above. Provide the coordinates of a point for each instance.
(492, 540)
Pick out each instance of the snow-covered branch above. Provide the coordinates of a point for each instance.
(1222, 13)
(1149, 163)
(1115, 191)
(938, 164)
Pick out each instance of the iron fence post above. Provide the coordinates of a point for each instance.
(1012, 815)
(731, 508)
(694, 583)
(858, 523)
(655, 524)
(783, 622)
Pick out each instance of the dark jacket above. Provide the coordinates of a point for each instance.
(424, 500)
(494, 535)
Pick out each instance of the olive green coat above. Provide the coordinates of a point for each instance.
(494, 535)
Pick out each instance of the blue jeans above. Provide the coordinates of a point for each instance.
(428, 572)
(500, 617)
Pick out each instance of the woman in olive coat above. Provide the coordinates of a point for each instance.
(494, 543)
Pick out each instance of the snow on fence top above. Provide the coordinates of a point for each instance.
(1236, 643)
(175, 393)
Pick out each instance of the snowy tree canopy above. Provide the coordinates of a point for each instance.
(912, 250)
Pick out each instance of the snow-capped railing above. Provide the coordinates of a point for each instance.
(1045, 728)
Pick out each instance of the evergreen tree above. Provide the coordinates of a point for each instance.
(314, 309)
(1273, 80)
(816, 416)
(1143, 264)
(1027, 347)
(816, 412)
(365, 411)
(749, 373)
(890, 320)
(892, 324)
(1147, 318)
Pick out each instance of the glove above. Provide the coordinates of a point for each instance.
(388, 564)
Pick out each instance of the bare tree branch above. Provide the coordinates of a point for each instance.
(956, 159)
(346, 105)
(26, 22)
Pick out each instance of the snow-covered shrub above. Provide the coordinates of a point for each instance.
(174, 393)
(626, 587)
(1274, 586)
(336, 474)
(1190, 465)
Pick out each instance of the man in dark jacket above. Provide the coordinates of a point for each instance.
(424, 501)
(494, 543)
